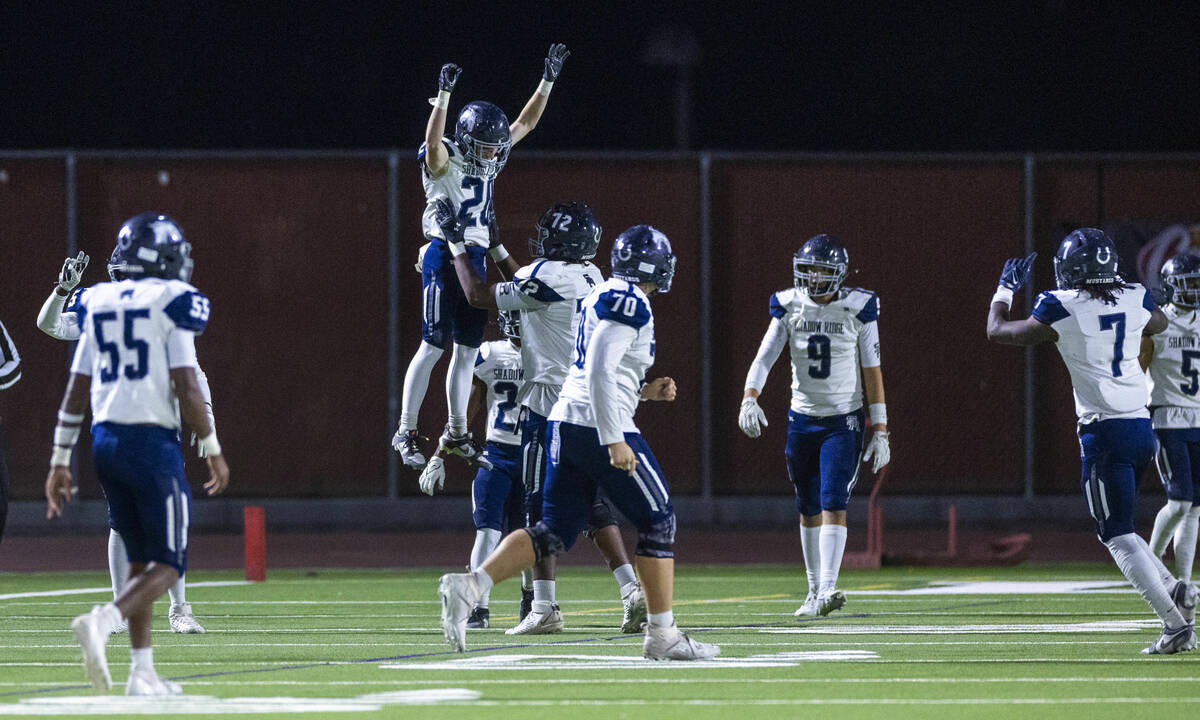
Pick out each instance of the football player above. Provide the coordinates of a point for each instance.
(548, 293)
(136, 359)
(1173, 360)
(1097, 321)
(462, 171)
(497, 493)
(66, 325)
(10, 373)
(832, 334)
(595, 445)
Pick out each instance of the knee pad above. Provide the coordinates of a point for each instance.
(658, 541)
(546, 544)
(601, 517)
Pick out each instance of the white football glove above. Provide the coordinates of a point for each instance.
(421, 258)
(433, 477)
(879, 450)
(752, 419)
(212, 420)
(72, 271)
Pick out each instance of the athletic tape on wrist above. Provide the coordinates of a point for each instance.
(1003, 295)
(66, 417)
(544, 87)
(498, 253)
(209, 445)
(457, 248)
(878, 413)
(66, 436)
(60, 456)
(442, 100)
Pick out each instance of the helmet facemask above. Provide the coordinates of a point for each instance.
(484, 160)
(817, 278)
(1186, 287)
(510, 326)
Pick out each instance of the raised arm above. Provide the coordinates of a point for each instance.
(436, 156)
(532, 112)
(51, 319)
(1000, 329)
(501, 296)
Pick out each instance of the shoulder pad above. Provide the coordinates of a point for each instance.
(623, 307)
(538, 290)
(865, 302)
(189, 311)
(1048, 309)
(776, 308)
(1147, 300)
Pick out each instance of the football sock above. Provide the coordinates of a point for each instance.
(486, 540)
(118, 562)
(543, 596)
(1168, 580)
(625, 575)
(1137, 564)
(1165, 523)
(662, 619)
(416, 382)
(483, 580)
(810, 545)
(833, 545)
(177, 592)
(142, 658)
(458, 386)
(1185, 543)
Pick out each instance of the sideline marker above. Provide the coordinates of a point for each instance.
(255, 519)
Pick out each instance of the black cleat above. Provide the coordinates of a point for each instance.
(479, 619)
(464, 446)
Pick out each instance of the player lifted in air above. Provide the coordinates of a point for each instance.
(548, 293)
(66, 325)
(1173, 360)
(136, 359)
(1097, 321)
(461, 170)
(832, 334)
(497, 492)
(595, 445)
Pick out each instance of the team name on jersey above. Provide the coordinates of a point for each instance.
(818, 326)
(508, 373)
(1175, 342)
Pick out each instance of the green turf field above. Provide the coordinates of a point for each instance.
(920, 642)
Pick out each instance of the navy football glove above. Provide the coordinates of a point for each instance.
(493, 231)
(554, 60)
(447, 220)
(1016, 272)
(1162, 294)
(448, 77)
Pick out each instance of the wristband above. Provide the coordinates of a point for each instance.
(544, 87)
(498, 253)
(442, 101)
(456, 248)
(66, 436)
(1003, 295)
(60, 456)
(66, 417)
(878, 413)
(209, 446)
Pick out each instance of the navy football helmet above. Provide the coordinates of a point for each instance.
(567, 231)
(483, 135)
(1086, 257)
(151, 245)
(510, 325)
(643, 254)
(1182, 274)
(820, 266)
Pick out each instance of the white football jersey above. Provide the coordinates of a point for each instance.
(548, 293)
(133, 333)
(498, 366)
(471, 196)
(614, 348)
(1099, 344)
(1175, 370)
(829, 345)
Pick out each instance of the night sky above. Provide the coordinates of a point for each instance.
(841, 76)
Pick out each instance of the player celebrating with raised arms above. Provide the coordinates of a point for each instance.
(461, 170)
(1097, 321)
(595, 445)
(136, 359)
(67, 325)
(1173, 360)
(548, 294)
(833, 336)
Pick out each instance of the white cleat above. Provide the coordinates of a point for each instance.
(671, 644)
(829, 601)
(121, 628)
(633, 620)
(1184, 594)
(1173, 641)
(810, 608)
(463, 445)
(459, 593)
(148, 683)
(408, 444)
(91, 632)
(536, 623)
(182, 621)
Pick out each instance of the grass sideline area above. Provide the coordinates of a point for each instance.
(963, 643)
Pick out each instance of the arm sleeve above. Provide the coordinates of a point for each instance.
(525, 294)
(868, 345)
(772, 344)
(181, 349)
(54, 322)
(10, 361)
(608, 344)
